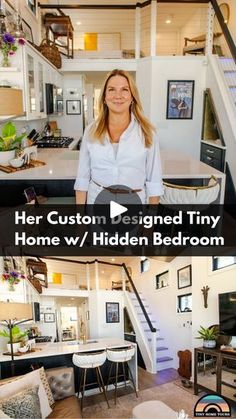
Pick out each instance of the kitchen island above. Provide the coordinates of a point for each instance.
(58, 354)
(57, 176)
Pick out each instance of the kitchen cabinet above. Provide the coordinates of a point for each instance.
(24, 293)
(30, 73)
(213, 155)
(212, 145)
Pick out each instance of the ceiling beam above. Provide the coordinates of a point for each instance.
(114, 6)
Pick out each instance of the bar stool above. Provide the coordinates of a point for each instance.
(90, 360)
(120, 356)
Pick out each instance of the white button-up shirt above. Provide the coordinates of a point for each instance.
(133, 165)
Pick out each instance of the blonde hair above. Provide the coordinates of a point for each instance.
(100, 127)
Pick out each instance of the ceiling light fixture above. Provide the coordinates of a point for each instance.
(78, 23)
(169, 19)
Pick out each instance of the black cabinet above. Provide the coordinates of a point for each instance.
(213, 145)
(213, 156)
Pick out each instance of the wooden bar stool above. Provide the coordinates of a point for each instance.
(90, 360)
(121, 356)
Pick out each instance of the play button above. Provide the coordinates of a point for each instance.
(109, 206)
(116, 209)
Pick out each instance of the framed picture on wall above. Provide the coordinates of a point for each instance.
(28, 31)
(32, 6)
(73, 107)
(112, 313)
(49, 317)
(184, 277)
(180, 95)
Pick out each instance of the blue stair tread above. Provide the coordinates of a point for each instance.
(150, 339)
(162, 348)
(164, 359)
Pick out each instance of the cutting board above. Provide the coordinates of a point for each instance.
(32, 163)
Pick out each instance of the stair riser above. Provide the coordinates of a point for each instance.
(164, 365)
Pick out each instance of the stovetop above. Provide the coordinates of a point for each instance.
(54, 142)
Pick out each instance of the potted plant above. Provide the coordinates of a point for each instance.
(209, 335)
(18, 337)
(9, 142)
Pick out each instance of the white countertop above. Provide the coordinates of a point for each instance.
(62, 164)
(62, 348)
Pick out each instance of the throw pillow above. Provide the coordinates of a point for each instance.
(24, 382)
(24, 405)
(3, 415)
(47, 388)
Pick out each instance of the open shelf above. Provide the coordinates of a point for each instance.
(9, 69)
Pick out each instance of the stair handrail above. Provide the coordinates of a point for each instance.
(225, 29)
(153, 329)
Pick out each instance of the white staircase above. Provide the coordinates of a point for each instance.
(229, 68)
(221, 80)
(155, 352)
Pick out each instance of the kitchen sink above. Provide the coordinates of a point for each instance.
(78, 343)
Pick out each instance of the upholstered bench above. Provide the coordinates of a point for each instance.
(153, 409)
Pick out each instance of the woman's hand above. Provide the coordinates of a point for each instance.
(80, 197)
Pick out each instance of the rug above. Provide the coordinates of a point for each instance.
(179, 384)
(170, 394)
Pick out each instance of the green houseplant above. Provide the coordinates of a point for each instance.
(9, 142)
(209, 336)
(18, 337)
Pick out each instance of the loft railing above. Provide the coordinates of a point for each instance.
(124, 267)
(225, 29)
(152, 329)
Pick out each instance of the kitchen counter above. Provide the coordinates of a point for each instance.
(61, 164)
(54, 355)
(62, 348)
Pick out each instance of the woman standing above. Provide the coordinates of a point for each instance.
(120, 147)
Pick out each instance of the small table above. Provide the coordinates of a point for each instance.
(220, 355)
(60, 26)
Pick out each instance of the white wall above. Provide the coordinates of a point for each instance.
(97, 308)
(72, 125)
(219, 282)
(48, 329)
(174, 327)
(152, 76)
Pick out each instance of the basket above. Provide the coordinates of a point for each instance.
(51, 52)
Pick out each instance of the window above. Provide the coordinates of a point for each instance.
(162, 280)
(219, 262)
(145, 265)
(184, 303)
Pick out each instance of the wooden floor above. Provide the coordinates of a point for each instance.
(146, 380)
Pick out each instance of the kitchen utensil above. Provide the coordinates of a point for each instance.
(31, 134)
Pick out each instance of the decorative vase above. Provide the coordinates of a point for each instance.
(16, 346)
(5, 61)
(11, 287)
(6, 156)
(209, 344)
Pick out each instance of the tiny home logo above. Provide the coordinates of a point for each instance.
(213, 406)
